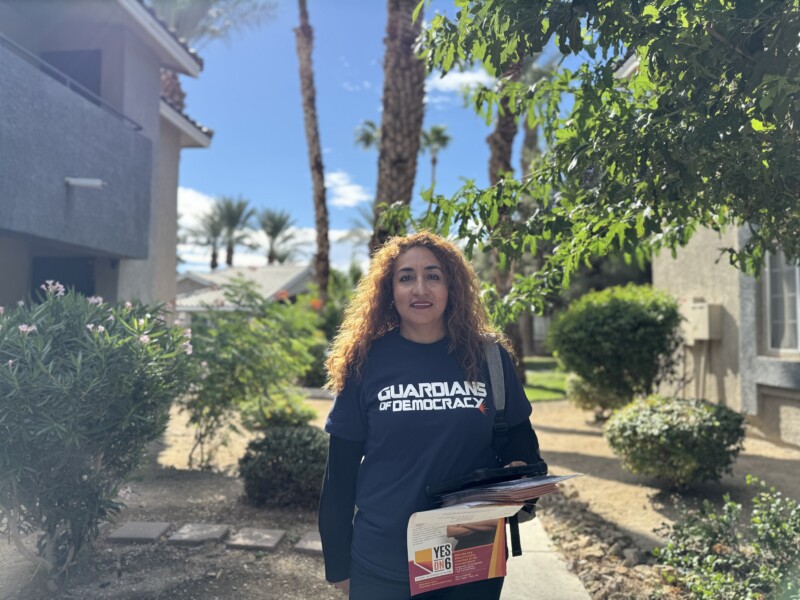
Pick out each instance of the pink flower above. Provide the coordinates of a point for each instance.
(26, 329)
(144, 339)
(95, 300)
(10, 363)
(100, 329)
(141, 322)
(90, 327)
(128, 306)
(187, 333)
(2, 310)
(110, 318)
(187, 347)
(53, 287)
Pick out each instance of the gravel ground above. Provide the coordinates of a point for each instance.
(604, 523)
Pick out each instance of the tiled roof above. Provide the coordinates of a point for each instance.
(172, 33)
(271, 281)
(200, 127)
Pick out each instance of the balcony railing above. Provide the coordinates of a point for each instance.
(67, 81)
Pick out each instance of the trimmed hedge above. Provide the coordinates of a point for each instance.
(285, 467)
(684, 441)
(621, 340)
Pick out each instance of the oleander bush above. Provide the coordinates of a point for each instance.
(682, 441)
(84, 386)
(621, 341)
(285, 467)
(720, 554)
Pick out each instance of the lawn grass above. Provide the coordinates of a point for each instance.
(544, 380)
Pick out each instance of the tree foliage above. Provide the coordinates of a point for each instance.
(703, 134)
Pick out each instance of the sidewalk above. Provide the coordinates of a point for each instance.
(540, 573)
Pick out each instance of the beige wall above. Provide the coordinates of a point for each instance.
(700, 272)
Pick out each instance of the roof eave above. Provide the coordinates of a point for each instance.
(191, 135)
(174, 55)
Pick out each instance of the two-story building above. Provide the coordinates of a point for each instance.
(89, 148)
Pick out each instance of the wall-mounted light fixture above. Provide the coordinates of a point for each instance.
(87, 183)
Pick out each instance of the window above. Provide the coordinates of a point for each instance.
(783, 281)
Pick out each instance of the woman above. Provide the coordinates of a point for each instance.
(413, 407)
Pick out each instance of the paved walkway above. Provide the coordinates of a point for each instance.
(540, 573)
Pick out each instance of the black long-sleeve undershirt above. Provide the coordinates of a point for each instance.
(337, 503)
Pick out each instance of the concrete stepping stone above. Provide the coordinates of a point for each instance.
(195, 534)
(251, 538)
(310, 543)
(139, 532)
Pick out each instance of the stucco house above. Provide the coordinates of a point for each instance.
(89, 148)
(742, 338)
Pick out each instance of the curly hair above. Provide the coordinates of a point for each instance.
(371, 313)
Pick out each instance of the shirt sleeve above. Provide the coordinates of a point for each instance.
(337, 505)
(347, 419)
(523, 445)
(518, 407)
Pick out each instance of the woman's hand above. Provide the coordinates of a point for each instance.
(342, 586)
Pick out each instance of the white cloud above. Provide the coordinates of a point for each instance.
(457, 81)
(356, 87)
(342, 192)
(192, 205)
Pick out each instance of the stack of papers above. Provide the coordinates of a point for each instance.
(518, 491)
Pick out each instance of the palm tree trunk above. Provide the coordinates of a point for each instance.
(214, 259)
(305, 45)
(229, 255)
(403, 111)
(501, 141)
(434, 160)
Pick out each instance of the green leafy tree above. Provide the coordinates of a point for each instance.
(250, 358)
(235, 216)
(702, 134)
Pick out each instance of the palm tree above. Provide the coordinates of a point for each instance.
(208, 234)
(276, 224)
(368, 135)
(203, 21)
(235, 217)
(403, 111)
(305, 45)
(433, 140)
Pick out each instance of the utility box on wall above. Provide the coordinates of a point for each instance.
(703, 322)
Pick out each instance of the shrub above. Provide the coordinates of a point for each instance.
(586, 396)
(285, 466)
(250, 358)
(83, 388)
(717, 555)
(682, 441)
(621, 340)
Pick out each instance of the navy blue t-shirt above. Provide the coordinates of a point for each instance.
(421, 422)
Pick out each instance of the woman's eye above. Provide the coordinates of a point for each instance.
(404, 278)
(434, 276)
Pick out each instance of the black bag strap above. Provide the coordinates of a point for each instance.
(500, 438)
(498, 384)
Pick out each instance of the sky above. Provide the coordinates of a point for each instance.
(249, 94)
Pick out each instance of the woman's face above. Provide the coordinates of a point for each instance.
(420, 289)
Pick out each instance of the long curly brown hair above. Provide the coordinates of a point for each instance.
(371, 313)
